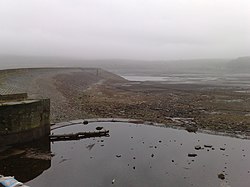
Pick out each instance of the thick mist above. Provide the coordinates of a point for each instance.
(131, 29)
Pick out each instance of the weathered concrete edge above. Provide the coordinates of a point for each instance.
(138, 121)
(25, 136)
(24, 121)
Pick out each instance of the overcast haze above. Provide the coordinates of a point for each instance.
(130, 29)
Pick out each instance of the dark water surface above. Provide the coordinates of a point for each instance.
(141, 155)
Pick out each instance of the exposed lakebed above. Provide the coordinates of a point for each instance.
(144, 155)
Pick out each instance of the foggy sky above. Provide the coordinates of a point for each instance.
(130, 29)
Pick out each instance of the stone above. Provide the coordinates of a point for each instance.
(197, 147)
(208, 146)
(192, 155)
(85, 122)
(221, 176)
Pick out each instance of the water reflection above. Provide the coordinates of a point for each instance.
(133, 155)
(26, 162)
(141, 155)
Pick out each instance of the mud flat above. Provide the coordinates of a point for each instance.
(80, 93)
(191, 106)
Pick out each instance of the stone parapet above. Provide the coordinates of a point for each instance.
(13, 97)
(23, 121)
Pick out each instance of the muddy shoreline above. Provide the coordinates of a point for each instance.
(192, 107)
(139, 121)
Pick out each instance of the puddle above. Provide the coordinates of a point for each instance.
(142, 155)
(26, 162)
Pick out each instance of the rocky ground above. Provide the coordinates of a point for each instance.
(78, 93)
(62, 85)
(188, 106)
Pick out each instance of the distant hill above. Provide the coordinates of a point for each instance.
(239, 65)
(119, 66)
(136, 67)
(15, 61)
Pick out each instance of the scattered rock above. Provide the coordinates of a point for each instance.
(85, 122)
(152, 155)
(208, 146)
(192, 155)
(118, 156)
(99, 128)
(222, 149)
(191, 129)
(221, 176)
(197, 147)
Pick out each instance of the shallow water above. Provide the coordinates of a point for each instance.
(142, 155)
(175, 78)
(226, 80)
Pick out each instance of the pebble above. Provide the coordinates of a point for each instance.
(221, 176)
(208, 146)
(197, 147)
(192, 155)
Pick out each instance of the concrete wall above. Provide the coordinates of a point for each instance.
(23, 121)
(11, 97)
